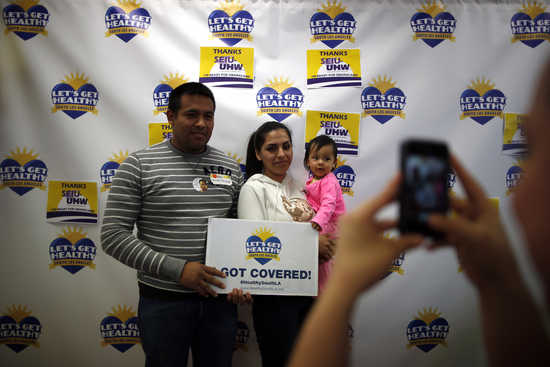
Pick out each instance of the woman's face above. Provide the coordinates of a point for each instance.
(276, 154)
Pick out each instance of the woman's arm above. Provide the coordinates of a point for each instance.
(251, 204)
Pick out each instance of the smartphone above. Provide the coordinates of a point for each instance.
(425, 167)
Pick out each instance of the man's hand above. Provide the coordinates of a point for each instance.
(199, 277)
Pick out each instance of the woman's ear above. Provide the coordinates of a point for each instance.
(258, 156)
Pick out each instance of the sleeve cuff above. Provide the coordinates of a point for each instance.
(171, 268)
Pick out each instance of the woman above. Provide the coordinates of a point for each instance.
(271, 194)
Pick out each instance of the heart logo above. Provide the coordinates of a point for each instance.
(263, 251)
(443, 20)
(323, 27)
(427, 336)
(26, 24)
(120, 335)
(231, 29)
(28, 178)
(75, 103)
(383, 106)
(490, 95)
(72, 257)
(522, 19)
(20, 334)
(126, 25)
(290, 99)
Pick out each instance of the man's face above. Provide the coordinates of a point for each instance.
(193, 123)
(532, 198)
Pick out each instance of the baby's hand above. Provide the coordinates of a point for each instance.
(316, 226)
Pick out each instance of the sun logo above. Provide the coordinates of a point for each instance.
(427, 330)
(513, 177)
(162, 92)
(128, 5)
(383, 100)
(19, 328)
(75, 96)
(120, 329)
(432, 7)
(383, 84)
(332, 8)
(23, 23)
(279, 84)
(72, 250)
(108, 170)
(22, 171)
(481, 101)
(481, 85)
(346, 176)
(263, 246)
(126, 19)
(231, 6)
(279, 99)
(332, 25)
(230, 22)
(18, 313)
(532, 8)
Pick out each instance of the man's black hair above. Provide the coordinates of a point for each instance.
(192, 88)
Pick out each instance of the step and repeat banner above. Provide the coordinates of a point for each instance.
(83, 84)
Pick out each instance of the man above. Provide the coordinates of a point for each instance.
(155, 188)
(483, 249)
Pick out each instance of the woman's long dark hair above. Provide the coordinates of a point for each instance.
(255, 143)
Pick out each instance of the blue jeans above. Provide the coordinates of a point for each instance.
(168, 328)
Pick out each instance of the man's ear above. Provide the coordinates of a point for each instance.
(170, 117)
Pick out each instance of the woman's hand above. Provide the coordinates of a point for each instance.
(238, 297)
(327, 247)
(477, 234)
(364, 254)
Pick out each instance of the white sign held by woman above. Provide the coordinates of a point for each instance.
(264, 257)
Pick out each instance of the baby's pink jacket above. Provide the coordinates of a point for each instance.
(325, 197)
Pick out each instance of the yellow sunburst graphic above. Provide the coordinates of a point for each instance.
(235, 157)
(73, 234)
(383, 83)
(122, 312)
(22, 156)
(340, 162)
(27, 4)
(128, 5)
(279, 84)
(332, 8)
(174, 80)
(481, 85)
(432, 7)
(231, 6)
(120, 157)
(18, 312)
(533, 8)
(76, 80)
(428, 315)
(264, 233)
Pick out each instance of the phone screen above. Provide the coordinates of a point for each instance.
(424, 188)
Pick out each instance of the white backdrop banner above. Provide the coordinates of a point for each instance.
(84, 83)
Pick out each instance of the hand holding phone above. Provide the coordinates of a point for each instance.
(424, 166)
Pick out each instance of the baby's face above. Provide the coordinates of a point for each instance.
(321, 161)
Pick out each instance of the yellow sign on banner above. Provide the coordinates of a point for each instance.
(342, 127)
(333, 68)
(227, 67)
(159, 131)
(514, 140)
(72, 202)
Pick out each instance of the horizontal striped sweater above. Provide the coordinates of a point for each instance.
(159, 190)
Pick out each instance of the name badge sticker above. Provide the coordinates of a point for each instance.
(221, 179)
